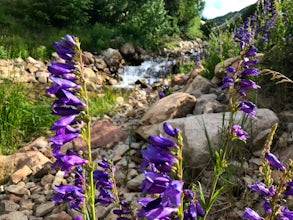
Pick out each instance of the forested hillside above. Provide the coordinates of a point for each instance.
(29, 26)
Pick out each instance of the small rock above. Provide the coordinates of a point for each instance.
(48, 179)
(59, 216)
(58, 178)
(8, 206)
(121, 149)
(18, 189)
(38, 198)
(131, 174)
(20, 174)
(135, 183)
(15, 215)
(26, 204)
(43, 209)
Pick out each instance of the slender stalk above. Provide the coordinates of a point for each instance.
(90, 165)
(223, 153)
(180, 173)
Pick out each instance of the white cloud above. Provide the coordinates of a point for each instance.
(215, 8)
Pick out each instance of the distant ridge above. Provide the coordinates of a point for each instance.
(234, 17)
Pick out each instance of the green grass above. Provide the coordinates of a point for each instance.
(25, 112)
(105, 102)
(21, 117)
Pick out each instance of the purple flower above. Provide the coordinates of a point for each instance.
(161, 95)
(199, 209)
(161, 141)
(68, 193)
(239, 132)
(102, 179)
(190, 213)
(249, 108)
(251, 52)
(288, 191)
(105, 196)
(250, 71)
(267, 206)
(250, 214)
(78, 218)
(248, 62)
(152, 209)
(188, 193)
(162, 158)
(60, 83)
(285, 214)
(104, 164)
(64, 111)
(79, 180)
(64, 121)
(246, 84)
(66, 97)
(66, 162)
(273, 160)
(173, 132)
(70, 40)
(59, 69)
(171, 197)
(261, 188)
(63, 138)
(154, 182)
(227, 82)
(230, 70)
(121, 212)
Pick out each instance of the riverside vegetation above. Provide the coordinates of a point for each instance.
(163, 161)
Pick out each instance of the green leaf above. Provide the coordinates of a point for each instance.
(201, 195)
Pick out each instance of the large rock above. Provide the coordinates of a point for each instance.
(176, 105)
(103, 132)
(195, 150)
(220, 68)
(113, 59)
(198, 86)
(22, 163)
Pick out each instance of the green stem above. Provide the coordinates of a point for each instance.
(225, 148)
(180, 174)
(91, 188)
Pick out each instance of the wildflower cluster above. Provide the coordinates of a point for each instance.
(238, 80)
(162, 167)
(67, 105)
(273, 195)
(91, 186)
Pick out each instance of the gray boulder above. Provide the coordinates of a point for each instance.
(195, 150)
(176, 105)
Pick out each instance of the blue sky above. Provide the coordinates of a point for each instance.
(215, 8)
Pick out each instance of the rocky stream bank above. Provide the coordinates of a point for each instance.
(195, 104)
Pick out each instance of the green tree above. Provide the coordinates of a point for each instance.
(186, 15)
(59, 13)
(148, 23)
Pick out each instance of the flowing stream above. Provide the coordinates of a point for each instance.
(149, 71)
